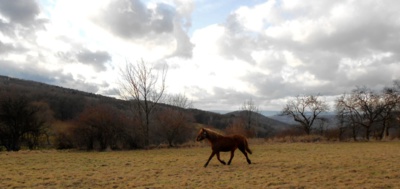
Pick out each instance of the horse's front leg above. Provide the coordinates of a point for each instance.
(211, 156)
(222, 161)
(232, 154)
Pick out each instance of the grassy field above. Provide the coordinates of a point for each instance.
(296, 165)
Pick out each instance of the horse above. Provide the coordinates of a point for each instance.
(221, 143)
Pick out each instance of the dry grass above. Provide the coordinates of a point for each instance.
(293, 165)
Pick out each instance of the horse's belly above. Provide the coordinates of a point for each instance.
(225, 149)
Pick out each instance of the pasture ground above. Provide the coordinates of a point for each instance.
(282, 165)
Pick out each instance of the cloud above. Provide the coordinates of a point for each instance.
(324, 47)
(20, 17)
(237, 43)
(19, 11)
(265, 51)
(96, 59)
(159, 23)
(322, 39)
(38, 73)
(129, 19)
(6, 48)
(81, 55)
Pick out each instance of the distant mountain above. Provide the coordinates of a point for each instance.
(329, 117)
(264, 126)
(264, 113)
(263, 120)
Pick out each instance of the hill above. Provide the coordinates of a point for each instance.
(68, 103)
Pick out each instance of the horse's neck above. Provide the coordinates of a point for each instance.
(214, 136)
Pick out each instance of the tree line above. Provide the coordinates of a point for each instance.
(361, 114)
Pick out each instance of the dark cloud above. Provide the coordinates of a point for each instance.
(267, 84)
(6, 28)
(96, 59)
(238, 43)
(184, 46)
(21, 15)
(19, 11)
(20, 23)
(6, 48)
(132, 19)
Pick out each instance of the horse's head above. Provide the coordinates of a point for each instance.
(202, 134)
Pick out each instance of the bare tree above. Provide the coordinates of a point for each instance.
(305, 110)
(342, 124)
(19, 119)
(174, 121)
(105, 124)
(40, 124)
(348, 115)
(145, 86)
(179, 100)
(249, 111)
(362, 108)
(391, 100)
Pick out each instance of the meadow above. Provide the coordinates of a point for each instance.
(275, 165)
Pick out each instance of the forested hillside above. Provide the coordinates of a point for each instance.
(34, 115)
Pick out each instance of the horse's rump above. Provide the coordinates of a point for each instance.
(242, 143)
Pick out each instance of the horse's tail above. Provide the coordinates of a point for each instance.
(247, 146)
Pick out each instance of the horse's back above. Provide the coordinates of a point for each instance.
(239, 138)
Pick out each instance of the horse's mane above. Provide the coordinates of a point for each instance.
(213, 134)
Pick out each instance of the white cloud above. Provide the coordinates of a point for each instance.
(266, 51)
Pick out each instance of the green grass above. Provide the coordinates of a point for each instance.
(295, 165)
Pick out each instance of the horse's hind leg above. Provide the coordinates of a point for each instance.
(222, 161)
(243, 150)
(211, 156)
(232, 154)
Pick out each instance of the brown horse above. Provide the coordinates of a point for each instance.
(221, 143)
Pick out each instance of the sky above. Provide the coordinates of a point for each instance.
(219, 54)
